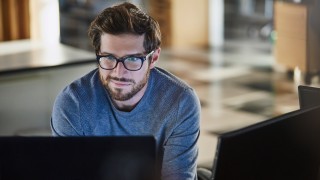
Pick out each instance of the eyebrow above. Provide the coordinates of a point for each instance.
(136, 54)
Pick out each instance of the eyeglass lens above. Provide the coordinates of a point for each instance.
(130, 63)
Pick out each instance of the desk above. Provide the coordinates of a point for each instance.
(31, 75)
(24, 55)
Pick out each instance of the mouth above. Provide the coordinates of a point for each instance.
(120, 84)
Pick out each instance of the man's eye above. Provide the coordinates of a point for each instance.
(111, 58)
(133, 59)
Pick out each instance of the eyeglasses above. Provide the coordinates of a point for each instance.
(131, 63)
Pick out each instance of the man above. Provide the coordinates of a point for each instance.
(128, 95)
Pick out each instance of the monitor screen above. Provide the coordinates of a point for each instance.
(284, 147)
(308, 96)
(78, 158)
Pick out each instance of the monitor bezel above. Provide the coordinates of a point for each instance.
(302, 90)
(225, 136)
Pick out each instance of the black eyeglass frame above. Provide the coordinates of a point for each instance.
(122, 59)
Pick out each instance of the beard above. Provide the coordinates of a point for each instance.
(118, 93)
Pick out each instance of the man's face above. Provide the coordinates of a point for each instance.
(121, 83)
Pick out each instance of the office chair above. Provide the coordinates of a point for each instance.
(204, 173)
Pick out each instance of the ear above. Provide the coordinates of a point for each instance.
(155, 58)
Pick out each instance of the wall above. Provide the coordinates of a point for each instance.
(14, 20)
(183, 23)
(189, 23)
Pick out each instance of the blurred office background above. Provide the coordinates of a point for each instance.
(244, 58)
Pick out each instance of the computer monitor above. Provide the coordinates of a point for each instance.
(308, 96)
(77, 158)
(281, 148)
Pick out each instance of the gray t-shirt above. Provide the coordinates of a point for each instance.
(169, 111)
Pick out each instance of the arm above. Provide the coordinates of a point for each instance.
(65, 119)
(180, 150)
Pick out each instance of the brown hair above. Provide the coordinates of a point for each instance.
(122, 19)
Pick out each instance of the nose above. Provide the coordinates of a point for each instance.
(120, 69)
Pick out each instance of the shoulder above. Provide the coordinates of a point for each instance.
(173, 91)
(71, 104)
(167, 79)
(80, 90)
(83, 84)
(86, 81)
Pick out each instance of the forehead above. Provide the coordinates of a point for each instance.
(122, 44)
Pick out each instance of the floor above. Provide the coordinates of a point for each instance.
(238, 85)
